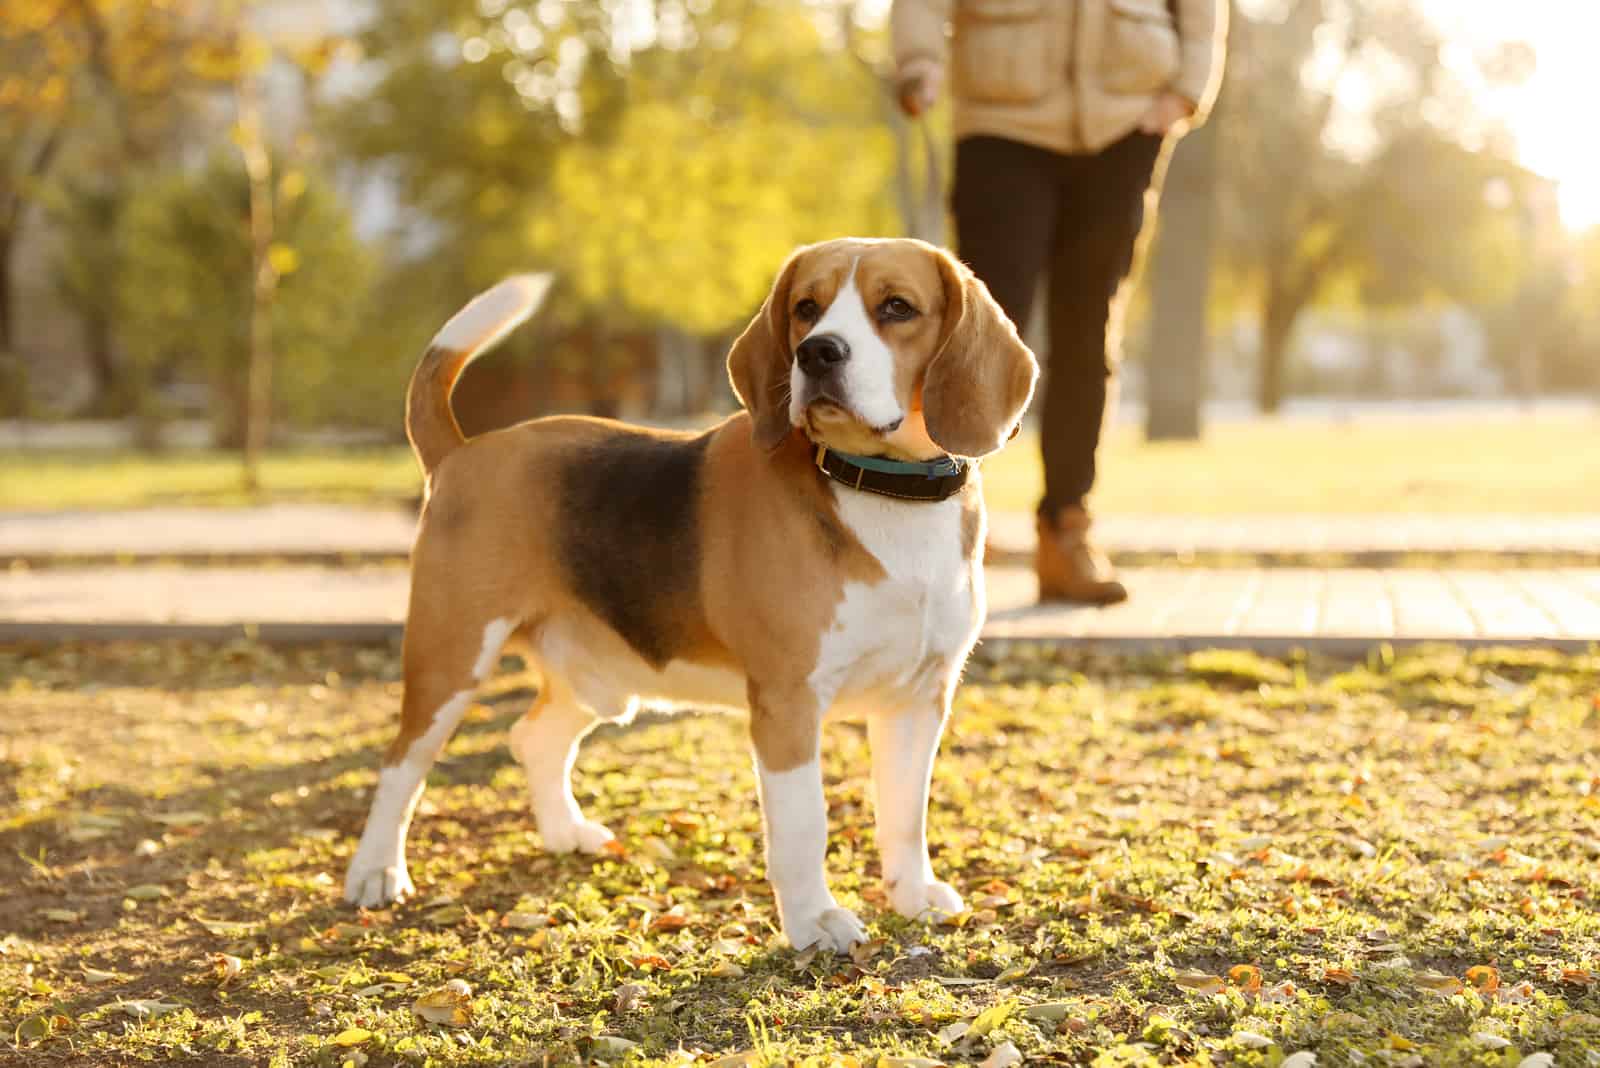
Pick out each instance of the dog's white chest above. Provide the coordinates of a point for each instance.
(899, 635)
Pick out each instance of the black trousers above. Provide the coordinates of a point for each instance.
(1024, 213)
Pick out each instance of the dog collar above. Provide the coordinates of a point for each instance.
(926, 480)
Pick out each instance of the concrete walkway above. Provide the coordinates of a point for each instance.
(1339, 610)
(328, 533)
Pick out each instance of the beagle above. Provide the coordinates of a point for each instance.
(815, 554)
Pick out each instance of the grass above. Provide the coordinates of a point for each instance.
(1519, 464)
(1213, 860)
(50, 480)
(1513, 464)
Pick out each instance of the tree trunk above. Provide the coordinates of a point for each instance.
(1277, 325)
(112, 396)
(7, 323)
(263, 282)
(13, 380)
(1180, 288)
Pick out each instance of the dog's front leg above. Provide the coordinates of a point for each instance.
(787, 737)
(904, 743)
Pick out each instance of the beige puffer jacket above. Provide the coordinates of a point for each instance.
(1068, 75)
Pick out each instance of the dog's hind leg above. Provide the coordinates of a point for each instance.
(444, 662)
(545, 741)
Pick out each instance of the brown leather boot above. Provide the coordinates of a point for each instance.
(1070, 567)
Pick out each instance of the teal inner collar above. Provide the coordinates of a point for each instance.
(944, 465)
(907, 480)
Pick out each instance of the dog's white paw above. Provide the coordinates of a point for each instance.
(926, 900)
(581, 836)
(373, 884)
(832, 930)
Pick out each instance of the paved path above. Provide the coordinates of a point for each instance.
(1265, 608)
(286, 531)
(322, 533)
(1357, 538)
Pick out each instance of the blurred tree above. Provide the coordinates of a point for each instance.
(1180, 291)
(99, 82)
(726, 158)
(920, 156)
(186, 294)
(1354, 153)
(664, 157)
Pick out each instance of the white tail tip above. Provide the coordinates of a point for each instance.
(493, 314)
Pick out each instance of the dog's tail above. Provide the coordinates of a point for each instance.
(475, 329)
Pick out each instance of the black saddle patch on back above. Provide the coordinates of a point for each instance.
(631, 540)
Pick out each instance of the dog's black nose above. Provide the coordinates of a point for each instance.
(818, 353)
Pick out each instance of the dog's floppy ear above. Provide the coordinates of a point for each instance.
(758, 364)
(981, 376)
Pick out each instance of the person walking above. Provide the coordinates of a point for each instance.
(1062, 108)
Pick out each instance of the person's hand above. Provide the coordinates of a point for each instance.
(1167, 111)
(919, 83)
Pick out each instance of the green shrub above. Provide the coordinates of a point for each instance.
(184, 291)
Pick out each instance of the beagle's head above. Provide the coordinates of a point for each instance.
(882, 347)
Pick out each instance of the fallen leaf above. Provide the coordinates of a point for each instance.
(1200, 982)
(1515, 995)
(351, 1036)
(907, 1062)
(1005, 1055)
(628, 997)
(1301, 1059)
(525, 921)
(378, 989)
(1247, 976)
(1577, 976)
(95, 975)
(612, 1047)
(726, 969)
(1437, 983)
(61, 915)
(1049, 1011)
(1341, 976)
(863, 952)
(1488, 1041)
(953, 1032)
(992, 1017)
(443, 916)
(736, 1060)
(148, 1009)
(146, 892)
(659, 963)
(225, 928)
(1484, 978)
(1400, 1042)
(1537, 1060)
(1284, 991)
(179, 819)
(445, 1005)
(33, 1029)
(1251, 1040)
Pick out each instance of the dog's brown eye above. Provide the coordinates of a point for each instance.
(807, 311)
(896, 309)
